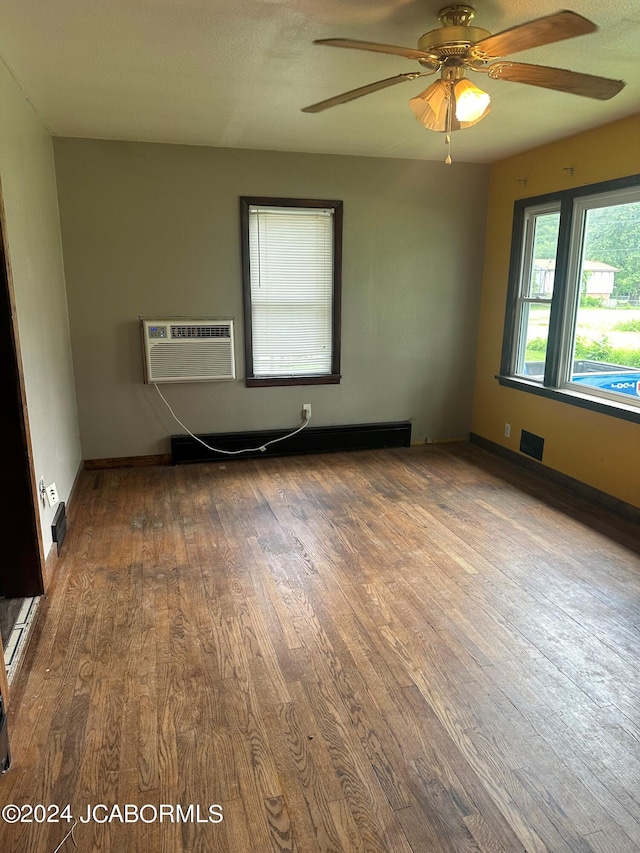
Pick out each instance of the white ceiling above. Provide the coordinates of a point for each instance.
(236, 73)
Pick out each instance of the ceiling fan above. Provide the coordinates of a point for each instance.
(453, 102)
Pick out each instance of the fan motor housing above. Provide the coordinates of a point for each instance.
(451, 41)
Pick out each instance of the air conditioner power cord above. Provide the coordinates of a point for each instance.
(260, 449)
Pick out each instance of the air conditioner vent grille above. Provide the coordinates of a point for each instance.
(208, 360)
(181, 332)
(190, 350)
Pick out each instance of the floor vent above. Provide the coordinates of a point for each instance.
(5, 755)
(531, 444)
(16, 644)
(59, 526)
(310, 440)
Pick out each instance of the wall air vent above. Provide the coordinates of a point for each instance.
(188, 350)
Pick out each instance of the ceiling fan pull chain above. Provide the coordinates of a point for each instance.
(447, 138)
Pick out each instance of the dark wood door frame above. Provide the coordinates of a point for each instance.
(21, 552)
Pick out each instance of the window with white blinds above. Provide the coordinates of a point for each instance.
(291, 275)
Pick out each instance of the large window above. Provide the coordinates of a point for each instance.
(572, 328)
(291, 257)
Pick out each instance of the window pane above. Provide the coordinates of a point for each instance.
(606, 344)
(291, 265)
(538, 276)
(543, 256)
(535, 323)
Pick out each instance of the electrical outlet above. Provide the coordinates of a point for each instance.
(507, 430)
(306, 411)
(52, 494)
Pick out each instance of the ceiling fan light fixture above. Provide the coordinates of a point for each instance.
(454, 102)
(446, 106)
(472, 104)
(431, 107)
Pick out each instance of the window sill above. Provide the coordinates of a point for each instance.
(326, 379)
(613, 408)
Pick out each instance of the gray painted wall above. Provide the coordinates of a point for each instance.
(153, 230)
(35, 255)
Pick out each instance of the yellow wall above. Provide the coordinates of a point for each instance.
(595, 448)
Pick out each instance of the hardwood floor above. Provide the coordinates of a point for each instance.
(397, 651)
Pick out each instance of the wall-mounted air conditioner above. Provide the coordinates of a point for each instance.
(187, 350)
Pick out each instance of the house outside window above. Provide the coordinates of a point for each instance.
(572, 325)
(292, 257)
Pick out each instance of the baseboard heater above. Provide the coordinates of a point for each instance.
(310, 440)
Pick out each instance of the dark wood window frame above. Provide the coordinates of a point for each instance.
(334, 376)
(552, 386)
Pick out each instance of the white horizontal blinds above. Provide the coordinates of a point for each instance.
(291, 260)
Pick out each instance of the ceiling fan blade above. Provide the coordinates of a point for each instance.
(560, 79)
(407, 52)
(363, 90)
(550, 28)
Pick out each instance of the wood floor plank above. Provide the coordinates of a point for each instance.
(304, 790)
(372, 816)
(422, 650)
